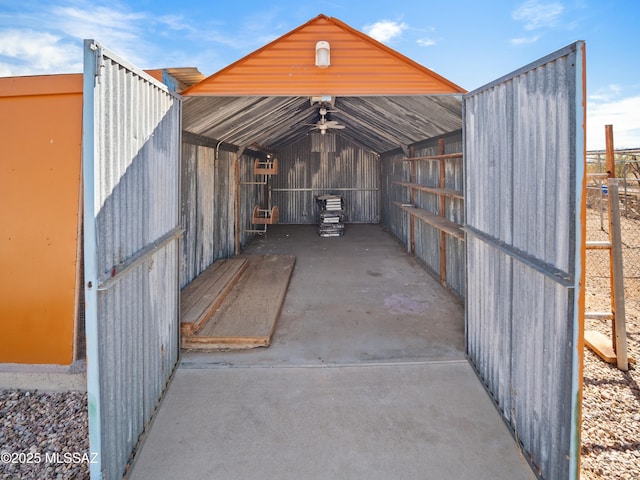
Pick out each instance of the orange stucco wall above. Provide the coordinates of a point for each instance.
(40, 168)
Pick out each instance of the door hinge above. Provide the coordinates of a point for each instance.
(99, 57)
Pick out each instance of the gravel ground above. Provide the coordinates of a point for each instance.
(611, 412)
(611, 398)
(43, 435)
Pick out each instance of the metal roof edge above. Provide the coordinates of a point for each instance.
(571, 48)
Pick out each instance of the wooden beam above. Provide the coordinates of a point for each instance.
(434, 220)
(617, 302)
(412, 179)
(236, 169)
(610, 152)
(435, 190)
(200, 299)
(247, 317)
(442, 212)
(447, 156)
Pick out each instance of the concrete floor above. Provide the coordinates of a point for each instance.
(365, 378)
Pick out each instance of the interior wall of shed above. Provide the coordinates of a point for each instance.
(326, 164)
(426, 238)
(220, 190)
(216, 204)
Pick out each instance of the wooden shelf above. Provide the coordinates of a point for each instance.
(446, 156)
(438, 191)
(265, 217)
(265, 167)
(434, 220)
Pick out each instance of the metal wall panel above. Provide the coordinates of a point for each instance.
(320, 164)
(524, 170)
(394, 170)
(427, 238)
(131, 154)
(207, 208)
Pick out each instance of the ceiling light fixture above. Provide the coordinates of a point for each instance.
(323, 54)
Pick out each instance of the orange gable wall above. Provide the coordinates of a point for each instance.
(40, 138)
(360, 66)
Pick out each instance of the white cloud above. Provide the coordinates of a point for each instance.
(385, 30)
(622, 113)
(27, 52)
(48, 39)
(426, 42)
(524, 40)
(536, 14)
(606, 94)
(175, 22)
(116, 27)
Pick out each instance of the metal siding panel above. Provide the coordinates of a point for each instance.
(523, 189)
(208, 208)
(205, 194)
(426, 238)
(133, 341)
(189, 202)
(455, 264)
(320, 164)
(394, 170)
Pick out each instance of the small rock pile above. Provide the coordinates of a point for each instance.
(43, 435)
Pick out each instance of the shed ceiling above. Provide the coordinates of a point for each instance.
(379, 124)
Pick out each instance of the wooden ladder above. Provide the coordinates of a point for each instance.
(614, 350)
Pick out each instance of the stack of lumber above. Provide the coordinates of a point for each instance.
(235, 303)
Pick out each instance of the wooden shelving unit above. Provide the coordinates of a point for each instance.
(437, 220)
(263, 216)
(260, 215)
(265, 167)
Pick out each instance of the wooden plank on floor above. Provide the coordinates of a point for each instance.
(247, 317)
(205, 294)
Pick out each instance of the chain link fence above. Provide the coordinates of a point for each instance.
(598, 261)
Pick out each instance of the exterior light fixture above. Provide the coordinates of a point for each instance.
(323, 54)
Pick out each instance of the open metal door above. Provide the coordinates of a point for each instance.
(524, 195)
(131, 163)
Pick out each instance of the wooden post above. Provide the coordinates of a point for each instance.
(610, 152)
(412, 180)
(236, 167)
(610, 164)
(617, 281)
(442, 212)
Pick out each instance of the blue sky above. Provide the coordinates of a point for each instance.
(469, 42)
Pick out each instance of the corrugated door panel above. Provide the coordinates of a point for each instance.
(524, 177)
(131, 155)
